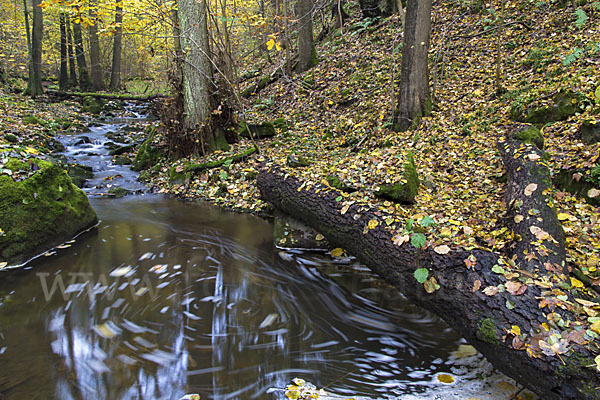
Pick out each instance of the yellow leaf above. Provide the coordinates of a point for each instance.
(518, 218)
(597, 360)
(515, 330)
(576, 282)
(563, 216)
(3, 264)
(373, 224)
(292, 394)
(345, 209)
(270, 44)
(319, 237)
(31, 150)
(337, 252)
(445, 378)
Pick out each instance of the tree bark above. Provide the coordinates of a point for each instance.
(115, 73)
(72, 74)
(529, 214)
(414, 100)
(307, 54)
(197, 69)
(84, 78)
(484, 320)
(96, 65)
(63, 77)
(34, 84)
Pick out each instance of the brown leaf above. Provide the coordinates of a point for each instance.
(476, 285)
(515, 288)
(490, 290)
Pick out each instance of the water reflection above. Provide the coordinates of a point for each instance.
(167, 298)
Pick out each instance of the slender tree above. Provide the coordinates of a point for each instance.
(63, 77)
(307, 55)
(115, 73)
(84, 78)
(72, 74)
(34, 84)
(414, 100)
(97, 74)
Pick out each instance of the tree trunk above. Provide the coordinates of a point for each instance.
(197, 69)
(63, 77)
(84, 78)
(34, 84)
(115, 74)
(414, 99)
(486, 321)
(97, 74)
(307, 54)
(377, 8)
(72, 74)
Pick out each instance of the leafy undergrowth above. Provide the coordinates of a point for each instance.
(338, 117)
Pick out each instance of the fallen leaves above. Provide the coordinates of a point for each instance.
(515, 288)
(442, 249)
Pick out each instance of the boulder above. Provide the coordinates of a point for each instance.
(590, 132)
(263, 130)
(148, 154)
(40, 212)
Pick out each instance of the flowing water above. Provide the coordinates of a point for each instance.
(165, 298)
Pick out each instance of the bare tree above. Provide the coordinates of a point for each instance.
(115, 73)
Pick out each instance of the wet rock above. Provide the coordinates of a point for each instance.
(118, 192)
(122, 160)
(148, 154)
(289, 233)
(40, 212)
(91, 105)
(565, 106)
(79, 173)
(83, 140)
(121, 150)
(11, 138)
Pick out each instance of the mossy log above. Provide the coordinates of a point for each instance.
(485, 321)
(197, 168)
(108, 96)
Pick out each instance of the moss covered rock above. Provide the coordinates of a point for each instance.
(565, 105)
(79, 173)
(148, 154)
(577, 182)
(406, 187)
(531, 135)
(33, 120)
(296, 161)
(39, 213)
(266, 129)
(91, 105)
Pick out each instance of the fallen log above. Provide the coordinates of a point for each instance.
(482, 294)
(109, 96)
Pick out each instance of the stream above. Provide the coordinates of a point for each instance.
(166, 298)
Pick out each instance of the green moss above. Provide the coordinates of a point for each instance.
(79, 173)
(33, 120)
(565, 105)
(11, 138)
(280, 123)
(531, 135)
(296, 161)
(335, 182)
(91, 105)
(407, 188)
(265, 129)
(117, 191)
(487, 332)
(147, 154)
(40, 212)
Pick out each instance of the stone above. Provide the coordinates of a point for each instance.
(289, 233)
(590, 132)
(40, 212)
